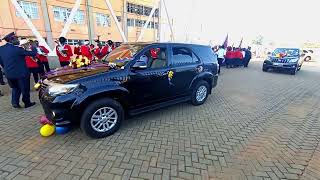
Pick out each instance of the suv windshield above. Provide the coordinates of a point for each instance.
(286, 52)
(124, 53)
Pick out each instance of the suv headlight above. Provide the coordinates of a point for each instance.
(59, 89)
(294, 60)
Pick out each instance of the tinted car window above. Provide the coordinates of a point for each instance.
(155, 57)
(286, 52)
(205, 54)
(124, 53)
(182, 55)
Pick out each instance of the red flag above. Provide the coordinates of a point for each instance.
(225, 43)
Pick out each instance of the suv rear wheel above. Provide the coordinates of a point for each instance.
(200, 93)
(102, 118)
(308, 58)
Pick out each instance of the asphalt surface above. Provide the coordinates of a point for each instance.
(255, 125)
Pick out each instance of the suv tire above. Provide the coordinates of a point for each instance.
(200, 93)
(308, 58)
(294, 71)
(102, 118)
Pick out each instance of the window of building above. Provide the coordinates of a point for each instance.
(130, 8)
(141, 10)
(130, 22)
(30, 8)
(103, 20)
(156, 13)
(141, 23)
(147, 11)
(61, 14)
(138, 23)
(119, 18)
(74, 41)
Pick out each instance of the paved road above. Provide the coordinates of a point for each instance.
(254, 126)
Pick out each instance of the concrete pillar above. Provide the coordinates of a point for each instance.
(159, 23)
(124, 19)
(90, 22)
(47, 24)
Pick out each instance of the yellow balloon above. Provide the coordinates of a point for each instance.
(47, 130)
(37, 86)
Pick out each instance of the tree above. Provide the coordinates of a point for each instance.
(258, 40)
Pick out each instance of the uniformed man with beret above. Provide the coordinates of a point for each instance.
(12, 59)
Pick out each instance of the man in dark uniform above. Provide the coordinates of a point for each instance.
(12, 59)
(247, 57)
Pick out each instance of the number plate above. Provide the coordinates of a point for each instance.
(277, 64)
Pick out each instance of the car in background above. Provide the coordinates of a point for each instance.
(307, 55)
(288, 59)
(138, 77)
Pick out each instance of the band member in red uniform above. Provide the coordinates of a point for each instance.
(101, 51)
(33, 63)
(86, 50)
(42, 56)
(77, 49)
(229, 57)
(238, 57)
(63, 51)
(111, 45)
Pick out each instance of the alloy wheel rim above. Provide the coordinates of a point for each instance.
(104, 119)
(201, 93)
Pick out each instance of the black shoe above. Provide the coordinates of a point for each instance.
(16, 106)
(1, 94)
(2, 83)
(30, 105)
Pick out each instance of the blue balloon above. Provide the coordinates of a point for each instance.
(62, 130)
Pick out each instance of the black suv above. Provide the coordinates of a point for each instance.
(289, 59)
(137, 77)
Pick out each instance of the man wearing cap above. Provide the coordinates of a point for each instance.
(12, 59)
(86, 50)
(64, 52)
(101, 51)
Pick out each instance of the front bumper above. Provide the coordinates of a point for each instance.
(286, 66)
(57, 109)
(214, 81)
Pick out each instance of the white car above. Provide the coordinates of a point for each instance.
(308, 55)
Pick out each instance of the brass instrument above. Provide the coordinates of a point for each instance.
(40, 52)
(27, 44)
(61, 49)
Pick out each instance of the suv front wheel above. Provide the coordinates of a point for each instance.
(200, 93)
(102, 118)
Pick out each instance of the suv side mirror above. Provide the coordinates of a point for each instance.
(140, 65)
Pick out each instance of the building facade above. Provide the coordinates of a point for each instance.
(92, 20)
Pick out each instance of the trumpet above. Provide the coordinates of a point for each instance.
(61, 49)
